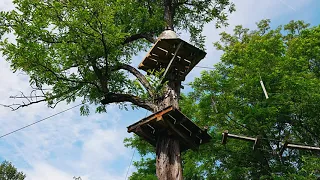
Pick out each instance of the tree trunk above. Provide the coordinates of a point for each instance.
(168, 14)
(168, 164)
(168, 158)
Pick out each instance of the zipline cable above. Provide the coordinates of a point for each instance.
(132, 156)
(40, 121)
(130, 163)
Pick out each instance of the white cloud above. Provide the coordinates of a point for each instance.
(106, 142)
(6, 5)
(52, 144)
(45, 171)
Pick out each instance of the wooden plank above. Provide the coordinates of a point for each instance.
(295, 146)
(159, 51)
(140, 65)
(183, 137)
(164, 60)
(151, 63)
(149, 118)
(168, 44)
(173, 58)
(241, 137)
(187, 127)
(191, 125)
(163, 51)
(177, 123)
(148, 137)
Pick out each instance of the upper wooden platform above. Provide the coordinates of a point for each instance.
(174, 122)
(175, 55)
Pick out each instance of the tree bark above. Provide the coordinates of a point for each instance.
(168, 158)
(168, 164)
(168, 14)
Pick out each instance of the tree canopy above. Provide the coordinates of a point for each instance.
(76, 48)
(9, 172)
(231, 98)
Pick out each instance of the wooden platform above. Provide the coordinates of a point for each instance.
(189, 134)
(175, 55)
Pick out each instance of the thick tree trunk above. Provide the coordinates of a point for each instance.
(168, 158)
(171, 97)
(168, 164)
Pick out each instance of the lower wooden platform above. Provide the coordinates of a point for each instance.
(172, 121)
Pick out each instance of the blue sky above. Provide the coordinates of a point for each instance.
(70, 145)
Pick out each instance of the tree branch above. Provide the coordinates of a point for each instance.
(15, 107)
(117, 98)
(142, 79)
(135, 37)
(99, 74)
(46, 98)
(66, 79)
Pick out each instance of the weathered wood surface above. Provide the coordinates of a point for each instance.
(175, 123)
(168, 158)
(166, 50)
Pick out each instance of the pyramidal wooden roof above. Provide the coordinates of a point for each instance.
(175, 55)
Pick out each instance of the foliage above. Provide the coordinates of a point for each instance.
(146, 171)
(143, 147)
(230, 98)
(74, 49)
(9, 172)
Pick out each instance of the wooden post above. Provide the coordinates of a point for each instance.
(168, 163)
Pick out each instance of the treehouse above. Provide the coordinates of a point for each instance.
(173, 121)
(178, 58)
(174, 55)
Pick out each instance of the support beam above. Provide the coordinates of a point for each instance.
(256, 143)
(285, 144)
(186, 140)
(245, 138)
(173, 58)
(295, 146)
(225, 135)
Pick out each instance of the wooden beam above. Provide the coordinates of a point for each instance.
(285, 144)
(172, 59)
(145, 135)
(245, 138)
(157, 116)
(295, 146)
(256, 140)
(185, 138)
(256, 143)
(224, 137)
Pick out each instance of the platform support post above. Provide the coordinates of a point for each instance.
(168, 158)
(168, 163)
